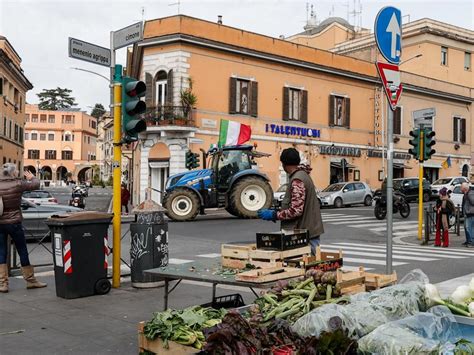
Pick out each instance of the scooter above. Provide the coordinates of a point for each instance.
(400, 204)
(77, 198)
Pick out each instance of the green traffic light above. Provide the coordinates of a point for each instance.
(428, 143)
(132, 106)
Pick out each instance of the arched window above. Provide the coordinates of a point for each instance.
(161, 88)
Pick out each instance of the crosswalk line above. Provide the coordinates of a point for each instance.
(351, 221)
(333, 215)
(176, 261)
(371, 261)
(382, 255)
(341, 218)
(396, 251)
(406, 233)
(210, 256)
(384, 223)
(355, 268)
(452, 251)
(397, 226)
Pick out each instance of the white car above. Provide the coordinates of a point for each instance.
(40, 197)
(448, 182)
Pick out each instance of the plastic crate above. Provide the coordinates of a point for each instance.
(228, 301)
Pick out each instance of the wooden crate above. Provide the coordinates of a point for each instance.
(325, 261)
(236, 256)
(156, 346)
(271, 258)
(269, 274)
(351, 282)
(376, 281)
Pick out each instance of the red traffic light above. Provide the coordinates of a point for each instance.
(135, 88)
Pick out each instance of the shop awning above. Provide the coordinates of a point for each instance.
(401, 166)
(339, 165)
(432, 164)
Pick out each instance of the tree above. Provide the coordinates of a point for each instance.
(98, 111)
(56, 99)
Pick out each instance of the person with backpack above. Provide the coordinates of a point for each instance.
(444, 210)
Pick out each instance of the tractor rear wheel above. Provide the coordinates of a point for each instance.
(249, 195)
(182, 205)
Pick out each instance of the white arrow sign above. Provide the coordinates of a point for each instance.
(394, 28)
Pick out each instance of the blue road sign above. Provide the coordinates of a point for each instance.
(388, 33)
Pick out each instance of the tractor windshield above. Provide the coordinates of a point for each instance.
(229, 163)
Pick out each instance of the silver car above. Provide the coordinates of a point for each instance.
(280, 193)
(345, 194)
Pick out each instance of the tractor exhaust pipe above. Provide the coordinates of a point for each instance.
(204, 158)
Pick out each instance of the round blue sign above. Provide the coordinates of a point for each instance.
(388, 33)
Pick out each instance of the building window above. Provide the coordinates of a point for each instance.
(339, 111)
(10, 129)
(66, 154)
(67, 119)
(85, 139)
(397, 121)
(51, 119)
(42, 136)
(88, 140)
(295, 104)
(459, 130)
(5, 126)
(243, 97)
(34, 136)
(50, 154)
(50, 136)
(467, 61)
(67, 137)
(27, 117)
(27, 136)
(42, 118)
(1, 86)
(33, 154)
(93, 124)
(15, 137)
(444, 55)
(34, 117)
(20, 135)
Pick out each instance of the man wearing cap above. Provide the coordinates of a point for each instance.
(300, 205)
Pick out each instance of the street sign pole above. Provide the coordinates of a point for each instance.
(420, 183)
(389, 190)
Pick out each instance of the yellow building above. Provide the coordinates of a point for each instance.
(13, 88)
(60, 142)
(329, 106)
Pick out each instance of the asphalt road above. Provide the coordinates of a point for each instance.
(98, 200)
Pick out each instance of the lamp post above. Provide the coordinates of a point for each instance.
(407, 60)
(92, 72)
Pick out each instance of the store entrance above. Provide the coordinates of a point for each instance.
(431, 174)
(339, 171)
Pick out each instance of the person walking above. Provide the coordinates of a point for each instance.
(11, 190)
(300, 206)
(468, 213)
(125, 197)
(444, 210)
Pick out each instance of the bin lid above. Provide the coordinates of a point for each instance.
(79, 218)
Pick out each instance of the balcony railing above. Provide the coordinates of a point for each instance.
(169, 115)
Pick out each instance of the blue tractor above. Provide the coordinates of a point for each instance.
(232, 181)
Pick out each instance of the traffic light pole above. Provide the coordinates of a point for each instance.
(420, 184)
(389, 190)
(117, 176)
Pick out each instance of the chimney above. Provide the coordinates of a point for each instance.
(219, 19)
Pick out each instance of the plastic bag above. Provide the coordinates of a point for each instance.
(433, 332)
(367, 311)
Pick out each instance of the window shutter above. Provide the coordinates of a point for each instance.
(169, 89)
(304, 106)
(232, 93)
(348, 112)
(254, 101)
(149, 90)
(463, 130)
(286, 104)
(331, 110)
(455, 129)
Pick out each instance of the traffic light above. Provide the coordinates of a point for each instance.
(415, 143)
(189, 160)
(195, 161)
(132, 106)
(428, 143)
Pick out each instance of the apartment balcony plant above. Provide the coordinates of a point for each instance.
(164, 115)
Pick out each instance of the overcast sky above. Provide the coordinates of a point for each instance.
(39, 30)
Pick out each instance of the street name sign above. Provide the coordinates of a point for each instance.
(424, 117)
(390, 75)
(128, 35)
(388, 33)
(89, 52)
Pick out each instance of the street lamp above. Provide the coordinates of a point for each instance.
(416, 56)
(92, 72)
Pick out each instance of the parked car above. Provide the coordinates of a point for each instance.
(35, 215)
(345, 194)
(40, 197)
(280, 193)
(409, 187)
(448, 182)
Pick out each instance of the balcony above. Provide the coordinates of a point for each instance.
(169, 116)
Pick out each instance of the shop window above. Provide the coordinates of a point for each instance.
(51, 119)
(43, 118)
(357, 176)
(397, 121)
(66, 155)
(339, 111)
(50, 154)
(459, 130)
(444, 55)
(33, 154)
(467, 61)
(295, 104)
(243, 97)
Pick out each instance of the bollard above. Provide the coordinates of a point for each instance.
(427, 226)
(149, 244)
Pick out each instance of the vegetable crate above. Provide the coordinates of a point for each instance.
(236, 256)
(272, 258)
(269, 274)
(157, 346)
(351, 282)
(283, 241)
(324, 261)
(376, 281)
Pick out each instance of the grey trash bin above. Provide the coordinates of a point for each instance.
(149, 244)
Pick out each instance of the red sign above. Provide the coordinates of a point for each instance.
(390, 75)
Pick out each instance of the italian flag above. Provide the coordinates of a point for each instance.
(233, 133)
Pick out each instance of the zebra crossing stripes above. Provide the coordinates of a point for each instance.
(448, 251)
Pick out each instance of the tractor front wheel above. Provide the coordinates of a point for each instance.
(182, 205)
(250, 195)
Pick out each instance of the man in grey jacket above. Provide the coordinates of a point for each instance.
(468, 213)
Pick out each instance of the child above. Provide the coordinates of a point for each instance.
(444, 209)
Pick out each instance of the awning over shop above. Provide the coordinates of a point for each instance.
(401, 166)
(339, 165)
(432, 164)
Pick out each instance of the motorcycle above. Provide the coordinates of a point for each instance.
(400, 204)
(78, 198)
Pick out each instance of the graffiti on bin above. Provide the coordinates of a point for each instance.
(150, 218)
(139, 245)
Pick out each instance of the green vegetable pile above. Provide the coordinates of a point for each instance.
(291, 300)
(183, 326)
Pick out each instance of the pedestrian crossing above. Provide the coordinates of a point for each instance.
(371, 255)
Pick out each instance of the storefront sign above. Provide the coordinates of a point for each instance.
(343, 151)
(378, 126)
(378, 154)
(292, 131)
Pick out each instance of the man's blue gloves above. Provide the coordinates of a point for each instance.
(267, 214)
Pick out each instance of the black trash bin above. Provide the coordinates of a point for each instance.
(80, 252)
(149, 244)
